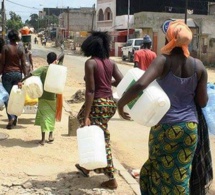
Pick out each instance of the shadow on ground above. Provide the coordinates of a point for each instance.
(71, 183)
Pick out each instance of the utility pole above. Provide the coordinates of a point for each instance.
(93, 15)
(186, 6)
(68, 22)
(128, 20)
(3, 19)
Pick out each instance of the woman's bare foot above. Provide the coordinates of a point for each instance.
(51, 138)
(82, 170)
(42, 142)
(110, 184)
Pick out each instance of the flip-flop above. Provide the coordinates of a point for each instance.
(82, 171)
(50, 141)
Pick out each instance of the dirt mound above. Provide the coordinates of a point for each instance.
(78, 97)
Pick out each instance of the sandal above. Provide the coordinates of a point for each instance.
(110, 184)
(82, 170)
(41, 143)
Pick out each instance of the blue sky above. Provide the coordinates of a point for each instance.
(25, 8)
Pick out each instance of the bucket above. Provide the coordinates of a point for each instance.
(34, 87)
(91, 147)
(55, 79)
(26, 38)
(150, 105)
(16, 101)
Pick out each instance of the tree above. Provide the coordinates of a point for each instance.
(41, 23)
(33, 22)
(15, 21)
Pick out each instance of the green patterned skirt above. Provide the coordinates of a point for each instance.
(168, 168)
(45, 117)
(102, 111)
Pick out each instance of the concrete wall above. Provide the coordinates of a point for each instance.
(205, 34)
(79, 19)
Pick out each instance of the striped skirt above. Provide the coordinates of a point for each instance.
(171, 151)
(102, 111)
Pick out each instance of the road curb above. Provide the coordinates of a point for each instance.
(127, 177)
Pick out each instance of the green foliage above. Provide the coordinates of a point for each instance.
(15, 21)
(41, 23)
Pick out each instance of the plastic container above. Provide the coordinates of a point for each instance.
(26, 38)
(30, 109)
(209, 110)
(33, 87)
(55, 79)
(4, 96)
(91, 147)
(16, 101)
(150, 105)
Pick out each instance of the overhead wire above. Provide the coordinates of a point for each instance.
(22, 5)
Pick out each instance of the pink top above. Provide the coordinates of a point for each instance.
(103, 76)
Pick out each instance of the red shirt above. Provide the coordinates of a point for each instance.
(144, 57)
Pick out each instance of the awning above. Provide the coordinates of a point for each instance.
(122, 32)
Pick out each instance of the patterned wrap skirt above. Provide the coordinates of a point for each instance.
(168, 168)
(102, 111)
(45, 117)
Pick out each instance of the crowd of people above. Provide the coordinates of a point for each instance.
(169, 169)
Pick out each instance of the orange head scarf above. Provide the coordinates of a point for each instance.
(178, 35)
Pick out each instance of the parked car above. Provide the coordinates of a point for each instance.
(129, 48)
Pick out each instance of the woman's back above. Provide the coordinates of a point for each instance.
(179, 83)
(103, 75)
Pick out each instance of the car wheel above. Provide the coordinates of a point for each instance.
(130, 57)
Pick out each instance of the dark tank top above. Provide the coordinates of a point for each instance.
(103, 76)
(181, 93)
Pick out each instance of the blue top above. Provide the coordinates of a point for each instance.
(181, 93)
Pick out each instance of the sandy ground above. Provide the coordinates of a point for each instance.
(28, 168)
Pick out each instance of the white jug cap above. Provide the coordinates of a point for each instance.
(161, 102)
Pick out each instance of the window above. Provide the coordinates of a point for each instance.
(100, 15)
(108, 14)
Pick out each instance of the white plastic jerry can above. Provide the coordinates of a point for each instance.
(55, 78)
(34, 87)
(150, 105)
(91, 147)
(16, 101)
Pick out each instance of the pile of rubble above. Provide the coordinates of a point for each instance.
(78, 97)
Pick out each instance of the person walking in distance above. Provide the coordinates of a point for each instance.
(99, 106)
(172, 142)
(29, 60)
(144, 56)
